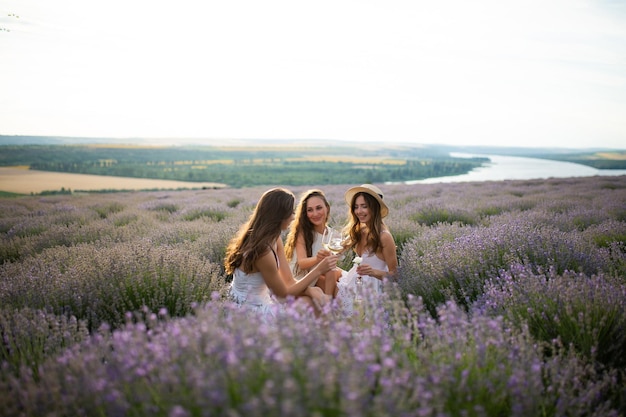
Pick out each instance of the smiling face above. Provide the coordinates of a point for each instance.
(317, 212)
(361, 209)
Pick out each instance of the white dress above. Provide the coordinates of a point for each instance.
(347, 284)
(300, 273)
(251, 291)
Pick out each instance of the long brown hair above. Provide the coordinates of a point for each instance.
(303, 225)
(257, 236)
(375, 225)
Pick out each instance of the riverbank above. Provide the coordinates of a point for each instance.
(520, 168)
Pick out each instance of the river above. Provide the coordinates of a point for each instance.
(520, 168)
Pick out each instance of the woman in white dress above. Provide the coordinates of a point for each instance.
(303, 245)
(256, 259)
(370, 239)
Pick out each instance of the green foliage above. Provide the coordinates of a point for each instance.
(211, 214)
(62, 191)
(108, 209)
(432, 215)
(166, 208)
(490, 211)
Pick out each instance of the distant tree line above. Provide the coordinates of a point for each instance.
(615, 159)
(240, 167)
(599, 163)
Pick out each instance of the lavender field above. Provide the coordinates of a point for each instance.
(510, 301)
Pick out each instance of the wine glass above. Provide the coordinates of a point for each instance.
(333, 240)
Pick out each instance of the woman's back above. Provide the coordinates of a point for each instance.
(249, 289)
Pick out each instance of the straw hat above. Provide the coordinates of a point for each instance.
(371, 190)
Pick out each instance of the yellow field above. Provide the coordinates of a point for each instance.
(620, 156)
(21, 180)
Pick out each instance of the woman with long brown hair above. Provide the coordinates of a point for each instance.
(371, 241)
(303, 245)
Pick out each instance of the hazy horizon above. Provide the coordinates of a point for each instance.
(454, 73)
(243, 142)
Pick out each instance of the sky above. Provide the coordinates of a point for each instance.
(530, 73)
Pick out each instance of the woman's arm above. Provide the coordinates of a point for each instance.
(307, 262)
(389, 253)
(281, 281)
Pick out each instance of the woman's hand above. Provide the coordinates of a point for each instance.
(317, 295)
(326, 264)
(322, 253)
(364, 269)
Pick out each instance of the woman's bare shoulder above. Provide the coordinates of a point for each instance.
(386, 236)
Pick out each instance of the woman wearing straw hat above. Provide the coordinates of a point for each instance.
(370, 239)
